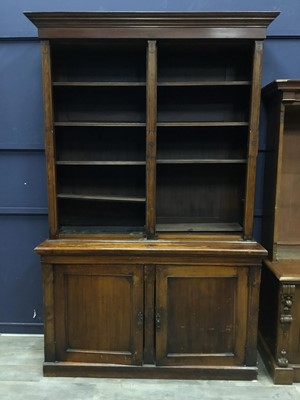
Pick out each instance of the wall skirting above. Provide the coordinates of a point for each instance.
(19, 327)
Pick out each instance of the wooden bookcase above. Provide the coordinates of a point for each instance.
(280, 290)
(151, 141)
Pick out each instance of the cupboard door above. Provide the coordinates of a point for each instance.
(294, 342)
(201, 315)
(99, 313)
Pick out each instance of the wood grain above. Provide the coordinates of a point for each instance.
(253, 140)
(49, 139)
(151, 139)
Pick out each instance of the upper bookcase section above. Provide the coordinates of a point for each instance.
(171, 25)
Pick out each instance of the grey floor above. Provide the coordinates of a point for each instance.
(21, 359)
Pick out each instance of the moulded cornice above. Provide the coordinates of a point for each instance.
(152, 24)
(286, 90)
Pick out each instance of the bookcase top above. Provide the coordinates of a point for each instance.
(171, 25)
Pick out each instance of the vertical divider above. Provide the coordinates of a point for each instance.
(49, 139)
(278, 174)
(151, 120)
(253, 139)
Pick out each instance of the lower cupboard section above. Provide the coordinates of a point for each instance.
(151, 320)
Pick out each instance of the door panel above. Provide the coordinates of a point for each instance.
(201, 315)
(294, 345)
(99, 313)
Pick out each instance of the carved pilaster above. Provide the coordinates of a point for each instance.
(287, 294)
(286, 318)
(282, 360)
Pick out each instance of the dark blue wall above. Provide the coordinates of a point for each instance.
(23, 200)
(14, 24)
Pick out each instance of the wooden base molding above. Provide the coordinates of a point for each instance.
(148, 372)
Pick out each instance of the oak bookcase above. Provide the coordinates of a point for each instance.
(151, 127)
(280, 290)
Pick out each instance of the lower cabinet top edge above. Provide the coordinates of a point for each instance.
(151, 248)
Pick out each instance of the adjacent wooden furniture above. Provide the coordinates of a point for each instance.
(151, 143)
(280, 291)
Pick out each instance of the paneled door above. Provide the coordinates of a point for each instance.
(201, 315)
(99, 313)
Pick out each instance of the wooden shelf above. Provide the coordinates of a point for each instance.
(201, 123)
(107, 124)
(98, 84)
(91, 163)
(203, 83)
(102, 198)
(94, 230)
(143, 124)
(200, 227)
(203, 161)
(159, 161)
